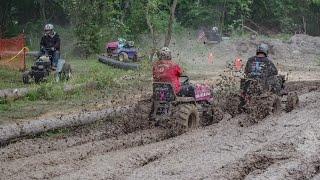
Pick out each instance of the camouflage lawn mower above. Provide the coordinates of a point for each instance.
(183, 113)
(262, 97)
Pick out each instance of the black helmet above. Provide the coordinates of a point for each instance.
(263, 48)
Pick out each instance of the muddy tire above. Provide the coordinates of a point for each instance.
(123, 57)
(144, 108)
(262, 106)
(185, 118)
(26, 78)
(109, 53)
(66, 72)
(292, 101)
(217, 114)
(233, 105)
(135, 58)
(214, 115)
(276, 105)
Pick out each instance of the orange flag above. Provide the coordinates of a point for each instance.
(238, 64)
(210, 58)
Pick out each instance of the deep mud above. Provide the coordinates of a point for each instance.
(284, 146)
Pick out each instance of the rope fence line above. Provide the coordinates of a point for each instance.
(13, 53)
(23, 50)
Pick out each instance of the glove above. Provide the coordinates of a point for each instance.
(53, 49)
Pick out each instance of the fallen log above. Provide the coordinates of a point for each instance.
(17, 93)
(118, 64)
(33, 127)
(13, 93)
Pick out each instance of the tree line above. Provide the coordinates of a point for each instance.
(93, 19)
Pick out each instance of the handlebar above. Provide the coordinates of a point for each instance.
(186, 80)
(47, 49)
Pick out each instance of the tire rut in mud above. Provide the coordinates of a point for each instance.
(72, 149)
(111, 128)
(302, 86)
(257, 162)
(74, 158)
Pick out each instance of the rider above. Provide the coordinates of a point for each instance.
(260, 66)
(165, 70)
(50, 42)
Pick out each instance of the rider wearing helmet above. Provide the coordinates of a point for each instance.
(50, 42)
(260, 66)
(165, 70)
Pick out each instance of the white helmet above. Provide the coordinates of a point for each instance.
(165, 54)
(48, 27)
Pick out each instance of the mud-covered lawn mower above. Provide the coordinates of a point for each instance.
(183, 113)
(262, 97)
(42, 68)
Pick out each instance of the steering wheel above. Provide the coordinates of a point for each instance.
(185, 79)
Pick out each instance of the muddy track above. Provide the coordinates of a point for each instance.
(303, 86)
(70, 147)
(102, 130)
(69, 154)
(129, 147)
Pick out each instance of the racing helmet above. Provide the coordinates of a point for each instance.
(48, 29)
(263, 48)
(165, 54)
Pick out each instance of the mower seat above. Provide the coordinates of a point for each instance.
(163, 92)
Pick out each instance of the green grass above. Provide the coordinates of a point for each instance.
(10, 79)
(50, 96)
(283, 37)
(13, 78)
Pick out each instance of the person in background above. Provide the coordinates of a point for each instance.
(50, 43)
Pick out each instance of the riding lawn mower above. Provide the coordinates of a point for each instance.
(183, 113)
(42, 68)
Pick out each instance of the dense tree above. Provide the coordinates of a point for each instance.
(96, 21)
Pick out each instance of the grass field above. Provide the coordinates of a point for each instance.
(51, 97)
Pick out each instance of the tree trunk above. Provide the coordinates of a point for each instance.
(171, 19)
(13, 93)
(304, 25)
(223, 18)
(149, 23)
(43, 11)
(153, 36)
(5, 15)
(125, 10)
(39, 125)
